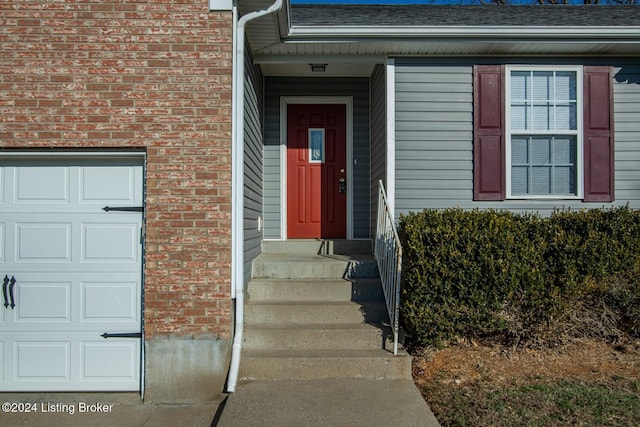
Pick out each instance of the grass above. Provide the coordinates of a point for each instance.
(615, 403)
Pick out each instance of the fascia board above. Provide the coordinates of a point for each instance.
(284, 19)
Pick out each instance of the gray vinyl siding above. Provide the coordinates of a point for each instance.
(253, 164)
(434, 134)
(626, 95)
(277, 87)
(434, 139)
(378, 136)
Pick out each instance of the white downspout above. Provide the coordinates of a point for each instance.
(237, 179)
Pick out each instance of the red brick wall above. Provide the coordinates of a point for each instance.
(154, 75)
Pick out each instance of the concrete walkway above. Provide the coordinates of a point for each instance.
(327, 402)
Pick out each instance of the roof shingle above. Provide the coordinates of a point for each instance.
(339, 15)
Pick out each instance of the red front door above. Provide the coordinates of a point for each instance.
(316, 171)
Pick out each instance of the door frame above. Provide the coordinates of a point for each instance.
(83, 153)
(285, 101)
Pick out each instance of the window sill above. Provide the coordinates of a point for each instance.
(545, 198)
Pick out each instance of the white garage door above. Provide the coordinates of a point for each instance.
(70, 272)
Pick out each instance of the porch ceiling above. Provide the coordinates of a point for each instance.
(285, 45)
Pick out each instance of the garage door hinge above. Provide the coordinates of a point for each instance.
(122, 335)
(124, 208)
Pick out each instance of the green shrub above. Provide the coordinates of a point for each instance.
(478, 273)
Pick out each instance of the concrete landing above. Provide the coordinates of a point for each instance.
(327, 402)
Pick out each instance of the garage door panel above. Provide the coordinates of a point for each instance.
(42, 184)
(2, 360)
(3, 241)
(110, 302)
(111, 242)
(43, 242)
(42, 361)
(69, 362)
(84, 242)
(75, 302)
(112, 361)
(2, 183)
(24, 185)
(116, 184)
(43, 302)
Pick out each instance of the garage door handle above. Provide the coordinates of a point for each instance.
(4, 291)
(122, 335)
(11, 285)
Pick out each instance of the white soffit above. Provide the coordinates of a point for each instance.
(348, 49)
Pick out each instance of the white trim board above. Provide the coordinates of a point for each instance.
(390, 160)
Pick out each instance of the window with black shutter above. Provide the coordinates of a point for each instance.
(543, 132)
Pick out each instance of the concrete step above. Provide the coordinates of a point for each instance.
(315, 310)
(323, 364)
(318, 247)
(288, 266)
(320, 313)
(317, 337)
(301, 266)
(287, 290)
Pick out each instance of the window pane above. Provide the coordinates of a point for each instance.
(519, 85)
(565, 86)
(519, 94)
(519, 180)
(565, 98)
(563, 117)
(316, 145)
(542, 86)
(519, 148)
(573, 116)
(541, 180)
(519, 117)
(541, 117)
(541, 151)
(564, 150)
(563, 182)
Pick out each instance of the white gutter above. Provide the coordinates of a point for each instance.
(237, 184)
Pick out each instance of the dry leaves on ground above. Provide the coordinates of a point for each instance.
(579, 360)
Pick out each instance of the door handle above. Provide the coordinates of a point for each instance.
(4, 291)
(11, 285)
(342, 185)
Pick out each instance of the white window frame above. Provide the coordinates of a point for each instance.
(579, 132)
